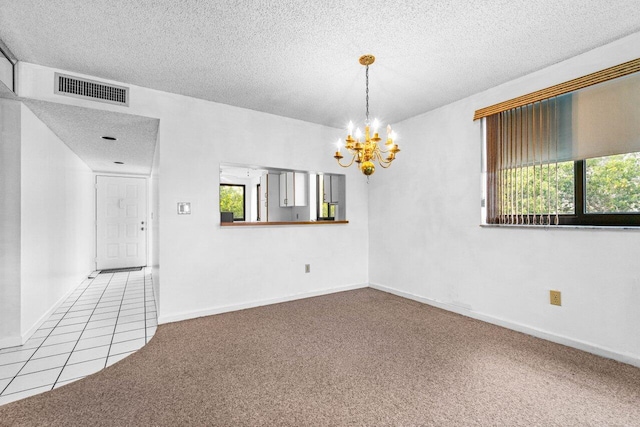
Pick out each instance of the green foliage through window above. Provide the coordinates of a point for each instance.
(328, 210)
(232, 200)
(613, 184)
(532, 190)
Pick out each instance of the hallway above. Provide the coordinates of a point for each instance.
(105, 319)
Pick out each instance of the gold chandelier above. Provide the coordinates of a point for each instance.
(365, 152)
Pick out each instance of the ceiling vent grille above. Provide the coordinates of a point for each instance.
(89, 89)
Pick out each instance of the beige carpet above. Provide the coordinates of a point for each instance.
(362, 357)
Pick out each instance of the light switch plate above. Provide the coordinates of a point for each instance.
(184, 208)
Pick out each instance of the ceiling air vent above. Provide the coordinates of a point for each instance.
(89, 89)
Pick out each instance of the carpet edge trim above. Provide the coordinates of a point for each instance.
(627, 358)
(185, 315)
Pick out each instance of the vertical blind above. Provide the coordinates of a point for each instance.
(523, 148)
(527, 143)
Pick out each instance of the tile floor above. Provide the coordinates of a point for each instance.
(104, 320)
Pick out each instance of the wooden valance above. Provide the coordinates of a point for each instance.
(562, 88)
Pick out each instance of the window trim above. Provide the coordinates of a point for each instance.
(259, 201)
(244, 200)
(581, 217)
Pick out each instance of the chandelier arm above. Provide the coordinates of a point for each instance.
(353, 158)
(377, 156)
(382, 162)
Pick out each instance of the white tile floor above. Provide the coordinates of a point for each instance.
(104, 320)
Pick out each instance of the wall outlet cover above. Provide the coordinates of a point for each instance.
(555, 298)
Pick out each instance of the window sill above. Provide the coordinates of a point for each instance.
(279, 223)
(564, 227)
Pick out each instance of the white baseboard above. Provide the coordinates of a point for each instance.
(10, 342)
(155, 281)
(549, 336)
(176, 317)
(32, 330)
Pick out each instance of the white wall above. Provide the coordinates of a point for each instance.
(154, 220)
(207, 268)
(57, 221)
(10, 223)
(426, 242)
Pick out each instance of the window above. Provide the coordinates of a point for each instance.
(328, 211)
(539, 190)
(612, 184)
(329, 196)
(570, 159)
(232, 199)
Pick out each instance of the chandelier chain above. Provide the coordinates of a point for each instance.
(367, 74)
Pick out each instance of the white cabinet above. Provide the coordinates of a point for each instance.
(286, 189)
(274, 212)
(293, 189)
(300, 189)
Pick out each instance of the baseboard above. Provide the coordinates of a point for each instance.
(155, 283)
(549, 336)
(10, 342)
(176, 317)
(32, 330)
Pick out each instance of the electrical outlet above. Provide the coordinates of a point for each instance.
(307, 268)
(555, 298)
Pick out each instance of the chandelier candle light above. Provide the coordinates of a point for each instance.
(364, 152)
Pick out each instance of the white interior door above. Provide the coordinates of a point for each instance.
(121, 222)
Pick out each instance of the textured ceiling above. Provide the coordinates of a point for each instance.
(82, 128)
(299, 58)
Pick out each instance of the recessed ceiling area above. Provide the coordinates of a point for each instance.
(81, 129)
(299, 59)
